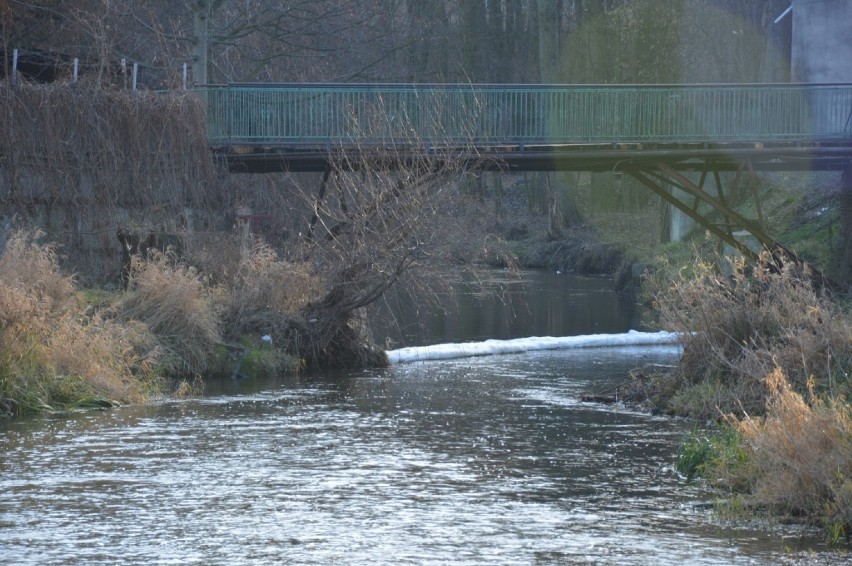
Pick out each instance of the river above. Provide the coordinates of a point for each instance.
(483, 460)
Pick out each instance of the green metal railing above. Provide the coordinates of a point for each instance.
(319, 115)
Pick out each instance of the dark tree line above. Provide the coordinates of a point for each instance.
(501, 41)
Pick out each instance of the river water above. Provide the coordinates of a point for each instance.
(486, 460)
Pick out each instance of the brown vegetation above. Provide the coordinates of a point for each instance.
(800, 456)
(770, 355)
(80, 159)
(176, 305)
(53, 352)
(265, 291)
(795, 461)
(737, 330)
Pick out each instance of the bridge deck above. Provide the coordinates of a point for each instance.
(260, 128)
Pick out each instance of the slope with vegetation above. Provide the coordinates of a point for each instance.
(768, 355)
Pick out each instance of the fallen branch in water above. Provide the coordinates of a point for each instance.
(610, 395)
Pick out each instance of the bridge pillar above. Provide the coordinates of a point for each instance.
(679, 225)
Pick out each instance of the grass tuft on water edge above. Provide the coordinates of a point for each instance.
(53, 352)
(795, 461)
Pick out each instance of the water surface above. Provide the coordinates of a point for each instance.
(487, 460)
(483, 460)
(504, 305)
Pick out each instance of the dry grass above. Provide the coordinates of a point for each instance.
(736, 330)
(53, 353)
(216, 254)
(265, 291)
(800, 457)
(56, 350)
(28, 264)
(174, 303)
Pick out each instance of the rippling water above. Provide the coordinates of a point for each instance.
(475, 461)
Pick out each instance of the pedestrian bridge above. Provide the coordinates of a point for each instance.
(671, 138)
(304, 127)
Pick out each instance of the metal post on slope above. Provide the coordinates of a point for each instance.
(720, 194)
(317, 204)
(135, 75)
(752, 181)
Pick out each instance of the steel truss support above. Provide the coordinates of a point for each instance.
(661, 177)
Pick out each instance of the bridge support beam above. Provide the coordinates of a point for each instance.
(661, 178)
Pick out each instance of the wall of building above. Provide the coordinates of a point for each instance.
(822, 41)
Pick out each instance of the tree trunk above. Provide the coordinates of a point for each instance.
(548, 39)
(497, 180)
(472, 16)
(562, 210)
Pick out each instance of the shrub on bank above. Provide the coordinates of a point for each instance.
(737, 329)
(53, 353)
(769, 351)
(263, 297)
(56, 349)
(796, 460)
(210, 329)
(265, 291)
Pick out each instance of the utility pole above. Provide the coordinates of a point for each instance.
(201, 39)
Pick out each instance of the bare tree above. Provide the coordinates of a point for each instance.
(299, 40)
(375, 225)
(222, 40)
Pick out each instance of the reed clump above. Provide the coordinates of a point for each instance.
(802, 456)
(266, 291)
(196, 321)
(174, 303)
(54, 352)
(58, 349)
(262, 304)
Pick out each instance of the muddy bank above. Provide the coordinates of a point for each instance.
(580, 250)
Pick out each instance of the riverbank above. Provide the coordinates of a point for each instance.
(64, 347)
(767, 354)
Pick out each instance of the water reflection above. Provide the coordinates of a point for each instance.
(534, 303)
